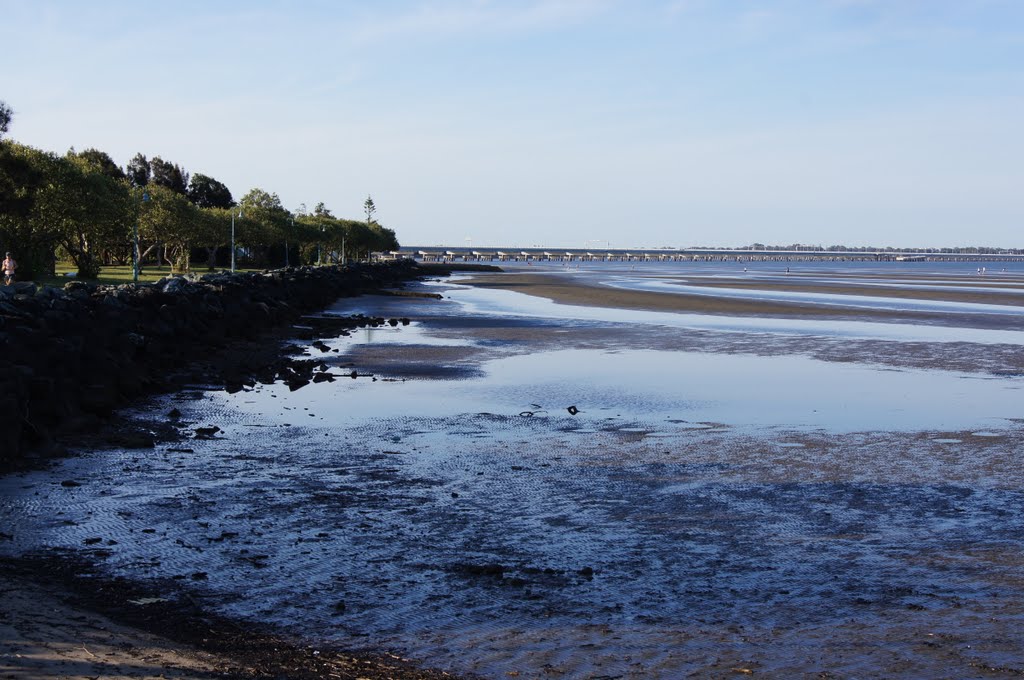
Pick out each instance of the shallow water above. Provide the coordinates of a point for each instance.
(502, 302)
(656, 386)
(840, 301)
(702, 512)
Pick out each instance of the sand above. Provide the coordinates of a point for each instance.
(575, 290)
(42, 635)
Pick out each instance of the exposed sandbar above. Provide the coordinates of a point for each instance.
(574, 290)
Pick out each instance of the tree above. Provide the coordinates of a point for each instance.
(370, 209)
(24, 177)
(99, 160)
(6, 114)
(264, 223)
(92, 210)
(206, 192)
(139, 171)
(322, 211)
(169, 219)
(384, 238)
(166, 174)
(214, 230)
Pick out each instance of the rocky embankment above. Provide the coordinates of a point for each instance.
(70, 356)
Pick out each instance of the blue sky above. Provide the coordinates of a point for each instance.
(557, 122)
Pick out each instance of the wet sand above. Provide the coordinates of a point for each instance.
(575, 290)
(59, 619)
(525, 541)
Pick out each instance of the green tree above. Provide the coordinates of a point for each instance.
(92, 211)
(139, 171)
(370, 209)
(263, 225)
(385, 239)
(6, 115)
(206, 192)
(214, 231)
(99, 160)
(24, 177)
(169, 223)
(170, 175)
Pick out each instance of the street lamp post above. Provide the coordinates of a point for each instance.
(286, 244)
(319, 259)
(233, 238)
(135, 244)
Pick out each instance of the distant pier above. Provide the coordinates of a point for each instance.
(442, 254)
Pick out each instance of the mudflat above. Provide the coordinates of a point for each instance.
(533, 496)
(567, 288)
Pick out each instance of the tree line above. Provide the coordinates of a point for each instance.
(82, 208)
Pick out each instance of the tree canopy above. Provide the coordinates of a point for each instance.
(83, 208)
(138, 171)
(5, 118)
(170, 175)
(206, 192)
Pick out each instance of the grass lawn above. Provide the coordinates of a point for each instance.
(118, 274)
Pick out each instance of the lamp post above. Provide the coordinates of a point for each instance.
(286, 245)
(135, 243)
(233, 238)
(318, 255)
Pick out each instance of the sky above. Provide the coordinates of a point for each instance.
(577, 123)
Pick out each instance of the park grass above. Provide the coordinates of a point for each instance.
(117, 274)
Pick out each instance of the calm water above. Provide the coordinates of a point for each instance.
(706, 508)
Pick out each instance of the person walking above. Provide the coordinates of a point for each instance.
(9, 266)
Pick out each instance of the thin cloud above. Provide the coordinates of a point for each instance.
(442, 20)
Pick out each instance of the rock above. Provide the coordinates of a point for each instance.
(23, 288)
(131, 440)
(85, 349)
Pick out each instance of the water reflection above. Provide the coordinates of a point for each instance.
(739, 390)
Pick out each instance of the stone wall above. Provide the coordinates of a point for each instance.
(69, 357)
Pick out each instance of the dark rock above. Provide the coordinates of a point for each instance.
(131, 440)
(73, 354)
